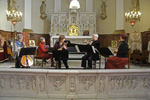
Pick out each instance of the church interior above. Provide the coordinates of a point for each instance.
(78, 22)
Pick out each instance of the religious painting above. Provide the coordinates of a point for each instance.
(114, 43)
(73, 30)
(31, 43)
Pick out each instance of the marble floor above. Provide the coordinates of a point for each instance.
(73, 65)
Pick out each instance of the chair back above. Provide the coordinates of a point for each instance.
(145, 53)
(36, 52)
(136, 52)
(129, 57)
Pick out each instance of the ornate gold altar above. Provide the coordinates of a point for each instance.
(73, 30)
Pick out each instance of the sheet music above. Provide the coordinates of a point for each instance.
(93, 49)
(77, 48)
(111, 49)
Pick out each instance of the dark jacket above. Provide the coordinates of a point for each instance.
(59, 54)
(96, 45)
(123, 50)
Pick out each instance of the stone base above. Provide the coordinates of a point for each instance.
(44, 84)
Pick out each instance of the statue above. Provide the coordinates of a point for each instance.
(11, 5)
(135, 5)
(103, 9)
(1, 41)
(43, 10)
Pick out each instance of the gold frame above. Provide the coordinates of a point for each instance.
(31, 42)
(73, 30)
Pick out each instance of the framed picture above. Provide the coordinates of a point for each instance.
(114, 43)
(31, 42)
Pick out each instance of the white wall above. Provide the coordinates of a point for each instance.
(106, 26)
(7, 25)
(144, 23)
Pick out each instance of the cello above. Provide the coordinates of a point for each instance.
(26, 60)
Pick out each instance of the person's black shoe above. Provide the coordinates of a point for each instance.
(28, 67)
(59, 67)
(67, 67)
(52, 65)
(45, 61)
(23, 67)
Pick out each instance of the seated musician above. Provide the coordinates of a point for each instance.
(17, 46)
(62, 53)
(119, 61)
(43, 51)
(91, 56)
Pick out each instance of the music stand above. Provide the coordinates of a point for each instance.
(60, 54)
(27, 51)
(104, 51)
(85, 48)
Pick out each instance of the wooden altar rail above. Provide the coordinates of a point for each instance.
(105, 39)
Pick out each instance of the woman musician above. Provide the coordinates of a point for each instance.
(42, 51)
(60, 52)
(120, 60)
(17, 46)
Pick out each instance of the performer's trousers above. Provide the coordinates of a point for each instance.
(49, 56)
(89, 58)
(18, 63)
(64, 61)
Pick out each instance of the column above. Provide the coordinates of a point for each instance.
(57, 5)
(89, 5)
(119, 14)
(27, 14)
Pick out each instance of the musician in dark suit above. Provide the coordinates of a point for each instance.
(60, 52)
(90, 55)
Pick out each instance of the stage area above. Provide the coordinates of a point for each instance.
(73, 65)
(76, 83)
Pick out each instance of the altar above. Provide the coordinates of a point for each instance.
(72, 39)
(73, 25)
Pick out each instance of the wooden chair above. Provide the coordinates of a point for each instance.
(10, 53)
(136, 56)
(129, 58)
(144, 57)
(36, 57)
(99, 62)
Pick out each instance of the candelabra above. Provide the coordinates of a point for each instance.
(134, 15)
(14, 16)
